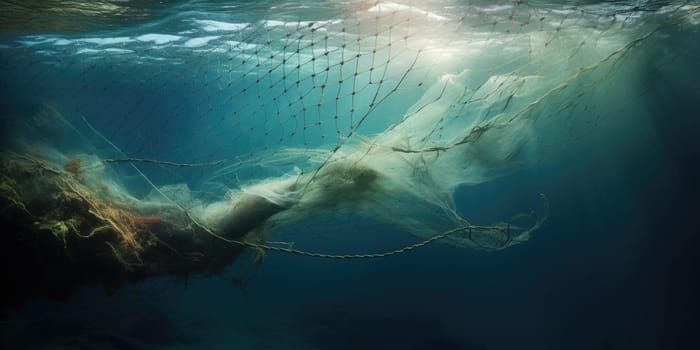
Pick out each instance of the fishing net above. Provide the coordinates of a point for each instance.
(238, 126)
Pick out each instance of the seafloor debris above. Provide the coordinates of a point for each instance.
(60, 233)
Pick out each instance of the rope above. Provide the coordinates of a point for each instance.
(469, 228)
(163, 162)
(361, 256)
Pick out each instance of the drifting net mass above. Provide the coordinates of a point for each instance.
(249, 123)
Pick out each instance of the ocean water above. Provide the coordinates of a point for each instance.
(467, 110)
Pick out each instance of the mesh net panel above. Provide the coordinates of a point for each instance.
(374, 110)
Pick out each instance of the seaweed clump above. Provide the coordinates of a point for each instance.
(60, 233)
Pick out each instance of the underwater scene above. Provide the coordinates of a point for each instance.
(316, 174)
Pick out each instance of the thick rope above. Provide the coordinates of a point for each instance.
(363, 256)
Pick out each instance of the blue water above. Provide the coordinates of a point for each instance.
(615, 266)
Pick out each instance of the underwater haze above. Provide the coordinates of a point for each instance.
(355, 174)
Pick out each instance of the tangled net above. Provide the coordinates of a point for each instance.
(179, 143)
